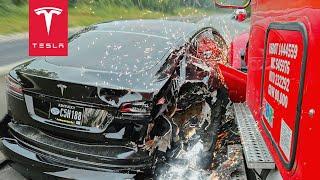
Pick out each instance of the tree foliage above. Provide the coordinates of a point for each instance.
(155, 5)
(19, 2)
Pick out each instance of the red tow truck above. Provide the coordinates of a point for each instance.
(276, 100)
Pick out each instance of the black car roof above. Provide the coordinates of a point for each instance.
(161, 28)
(129, 46)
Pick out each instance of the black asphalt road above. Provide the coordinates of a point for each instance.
(17, 51)
(13, 51)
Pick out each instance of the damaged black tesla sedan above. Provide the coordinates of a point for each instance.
(129, 95)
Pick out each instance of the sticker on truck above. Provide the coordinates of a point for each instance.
(285, 139)
(268, 113)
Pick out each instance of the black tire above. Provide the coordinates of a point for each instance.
(4, 125)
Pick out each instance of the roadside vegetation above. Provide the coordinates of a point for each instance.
(14, 13)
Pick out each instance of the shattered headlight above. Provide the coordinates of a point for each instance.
(14, 87)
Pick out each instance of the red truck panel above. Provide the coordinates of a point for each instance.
(236, 83)
(293, 24)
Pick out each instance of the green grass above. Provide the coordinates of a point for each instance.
(15, 18)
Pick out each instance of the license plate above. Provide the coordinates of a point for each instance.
(66, 113)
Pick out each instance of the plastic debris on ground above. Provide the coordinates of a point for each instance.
(189, 164)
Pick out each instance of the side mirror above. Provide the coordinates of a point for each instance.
(233, 4)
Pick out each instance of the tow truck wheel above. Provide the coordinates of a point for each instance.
(4, 125)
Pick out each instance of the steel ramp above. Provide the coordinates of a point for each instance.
(255, 149)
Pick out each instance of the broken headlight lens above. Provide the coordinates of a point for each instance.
(13, 86)
(140, 107)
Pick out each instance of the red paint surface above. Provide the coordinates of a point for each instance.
(281, 82)
(38, 34)
(235, 81)
(237, 46)
(241, 17)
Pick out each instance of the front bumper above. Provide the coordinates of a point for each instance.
(40, 156)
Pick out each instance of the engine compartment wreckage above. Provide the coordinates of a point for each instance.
(138, 132)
